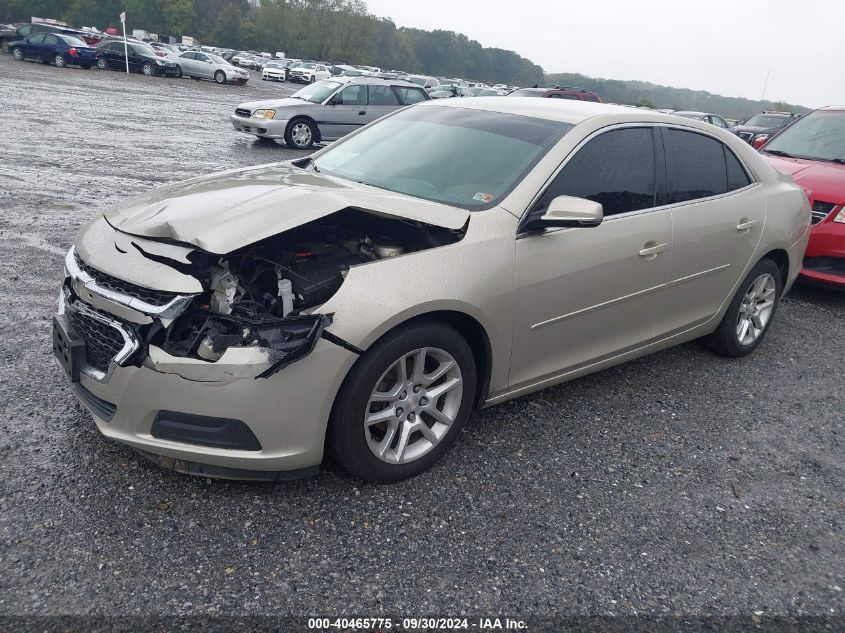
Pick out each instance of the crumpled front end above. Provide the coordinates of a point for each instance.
(218, 364)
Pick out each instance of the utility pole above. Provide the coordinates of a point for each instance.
(765, 85)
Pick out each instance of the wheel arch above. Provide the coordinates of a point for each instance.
(781, 258)
(468, 327)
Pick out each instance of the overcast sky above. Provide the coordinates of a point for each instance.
(722, 46)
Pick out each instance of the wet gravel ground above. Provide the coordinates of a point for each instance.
(682, 483)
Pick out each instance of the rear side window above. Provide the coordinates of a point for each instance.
(37, 39)
(410, 95)
(737, 176)
(615, 169)
(695, 166)
(382, 96)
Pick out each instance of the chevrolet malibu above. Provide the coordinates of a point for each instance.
(360, 302)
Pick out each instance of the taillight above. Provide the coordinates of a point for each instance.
(760, 141)
(73, 52)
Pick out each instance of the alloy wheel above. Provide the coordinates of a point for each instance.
(301, 134)
(60, 61)
(17, 54)
(756, 309)
(147, 69)
(413, 405)
(101, 63)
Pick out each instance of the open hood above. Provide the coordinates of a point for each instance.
(229, 210)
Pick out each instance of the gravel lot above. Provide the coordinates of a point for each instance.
(682, 483)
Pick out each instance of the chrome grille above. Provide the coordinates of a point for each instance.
(147, 295)
(821, 210)
(106, 338)
(243, 112)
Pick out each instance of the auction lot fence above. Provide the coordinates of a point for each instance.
(400, 624)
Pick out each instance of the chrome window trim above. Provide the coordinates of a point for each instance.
(628, 125)
(170, 310)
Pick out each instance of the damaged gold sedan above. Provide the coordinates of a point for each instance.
(361, 301)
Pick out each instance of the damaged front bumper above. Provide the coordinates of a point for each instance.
(240, 412)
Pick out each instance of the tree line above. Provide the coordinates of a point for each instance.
(654, 96)
(330, 30)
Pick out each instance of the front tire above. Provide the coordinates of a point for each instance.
(750, 313)
(59, 61)
(178, 72)
(147, 69)
(404, 403)
(17, 53)
(311, 79)
(300, 134)
(220, 77)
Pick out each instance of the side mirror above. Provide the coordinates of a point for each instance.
(568, 212)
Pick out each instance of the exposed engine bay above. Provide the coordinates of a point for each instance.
(262, 295)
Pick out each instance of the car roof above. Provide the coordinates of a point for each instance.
(566, 111)
(374, 81)
(696, 113)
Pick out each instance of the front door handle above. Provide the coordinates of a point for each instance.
(651, 250)
(745, 224)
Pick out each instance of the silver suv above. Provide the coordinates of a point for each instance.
(325, 110)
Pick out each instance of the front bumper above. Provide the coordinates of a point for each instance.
(264, 128)
(824, 259)
(288, 412)
(273, 75)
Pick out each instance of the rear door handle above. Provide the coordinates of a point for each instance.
(651, 250)
(746, 224)
(362, 112)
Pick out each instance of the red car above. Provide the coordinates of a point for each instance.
(812, 150)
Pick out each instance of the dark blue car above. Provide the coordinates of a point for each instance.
(54, 48)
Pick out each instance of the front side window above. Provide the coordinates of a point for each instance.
(615, 169)
(695, 166)
(467, 158)
(352, 95)
(382, 96)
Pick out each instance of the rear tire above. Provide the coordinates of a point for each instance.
(17, 53)
(355, 445)
(59, 61)
(4, 46)
(750, 313)
(102, 64)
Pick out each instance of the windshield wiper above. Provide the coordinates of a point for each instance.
(777, 152)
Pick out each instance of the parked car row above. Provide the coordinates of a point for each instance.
(67, 48)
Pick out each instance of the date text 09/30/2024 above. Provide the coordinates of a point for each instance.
(417, 624)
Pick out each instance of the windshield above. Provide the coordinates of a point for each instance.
(420, 81)
(819, 135)
(768, 120)
(317, 92)
(142, 48)
(308, 66)
(467, 158)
